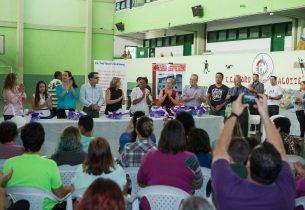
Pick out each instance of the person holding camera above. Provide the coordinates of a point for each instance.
(232, 95)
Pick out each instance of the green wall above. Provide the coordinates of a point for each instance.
(178, 12)
(9, 58)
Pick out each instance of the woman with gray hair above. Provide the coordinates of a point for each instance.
(168, 97)
(70, 149)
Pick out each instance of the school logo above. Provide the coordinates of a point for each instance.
(263, 66)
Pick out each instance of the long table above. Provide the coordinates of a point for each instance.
(112, 129)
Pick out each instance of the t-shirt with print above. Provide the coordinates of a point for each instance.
(273, 91)
(218, 95)
(235, 193)
(32, 170)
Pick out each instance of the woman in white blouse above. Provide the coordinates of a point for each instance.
(41, 100)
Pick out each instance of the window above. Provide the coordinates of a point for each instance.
(222, 35)
(232, 35)
(254, 32)
(288, 29)
(212, 36)
(173, 40)
(266, 31)
(180, 40)
(123, 4)
(166, 41)
(153, 43)
(159, 42)
(146, 43)
(242, 33)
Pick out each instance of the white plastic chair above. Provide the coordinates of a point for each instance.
(206, 172)
(300, 202)
(254, 120)
(133, 174)
(2, 163)
(161, 197)
(78, 193)
(36, 197)
(67, 172)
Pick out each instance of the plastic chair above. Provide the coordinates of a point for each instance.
(78, 193)
(161, 197)
(36, 196)
(206, 172)
(300, 202)
(254, 120)
(133, 174)
(2, 163)
(67, 172)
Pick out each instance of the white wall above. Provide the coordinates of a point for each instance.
(121, 42)
(252, 45)
(288, 43)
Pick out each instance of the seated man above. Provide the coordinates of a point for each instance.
(32, 170)
(270, 183)
(239, 151)
(85, 125)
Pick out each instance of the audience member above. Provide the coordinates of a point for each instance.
(299, 181)
(196, 203)
(20, 123)
(291, 143)
(140, 98)
(187, 121)
(239, 151)
(171, 164)
(32, 170)
(99, 164)
(168, 97)
(67, 94)
(114, 96)
(267, 169)
(274, 94)
(133, 153)
(233, 93)
(41, 101)
(193, 95)
(299, 107)
(130, 134)
(85, 125)
(52, 90)
(8, 132)
(13, 97)
(216, 96)
(253, 142)
(91, 95)
(199, 144)
(70, 149)
(102, 194)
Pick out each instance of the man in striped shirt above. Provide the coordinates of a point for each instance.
(52, 89)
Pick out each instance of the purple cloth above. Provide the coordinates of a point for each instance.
(9, 150)
(300, 188)
(234, 193)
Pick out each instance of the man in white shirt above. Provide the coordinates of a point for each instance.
(140, 98)
(274, 94)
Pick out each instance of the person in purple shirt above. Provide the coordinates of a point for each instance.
(193, 95)
(171, 164)
(269, 184)
(8, 132)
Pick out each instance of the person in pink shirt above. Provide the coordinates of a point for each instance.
(13, 95)
(8, 149)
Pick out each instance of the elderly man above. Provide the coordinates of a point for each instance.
(193, 95)
(91, 95)
(233, 93)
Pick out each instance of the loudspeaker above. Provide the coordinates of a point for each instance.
(120, 26)
(197, 11)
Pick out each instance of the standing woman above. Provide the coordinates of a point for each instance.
(169, 97)
(41, 101)
(114, 96)
(67, 94)
(299, 107)
(13, 95)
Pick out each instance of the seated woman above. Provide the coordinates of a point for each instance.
(171, 164)
(114, 96)
(199, 144)
(133, 153)
(168, 97)
(130, 134)
(8, 132)
(102, 193)
(42, 101)
(13, 97)
(67, 94)
(99, 164)
(70, 149)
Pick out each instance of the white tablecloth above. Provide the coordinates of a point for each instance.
(112, 129)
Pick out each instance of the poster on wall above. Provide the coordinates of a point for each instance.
(162, 71)
(107, 70)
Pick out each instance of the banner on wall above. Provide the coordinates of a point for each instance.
(162, 71)
(107, 70)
